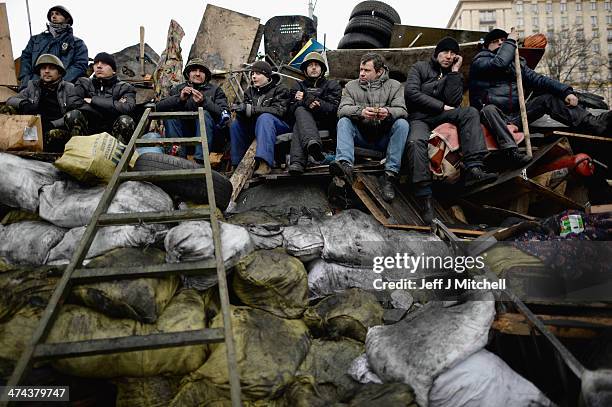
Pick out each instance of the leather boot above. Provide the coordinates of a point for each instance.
(296, 168)
(475, 175)
(515, 158)
(387, 188)
(342, 169)
(314, 149)
(600, 125)
(426, 208)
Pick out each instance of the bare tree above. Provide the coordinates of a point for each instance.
(572, 58)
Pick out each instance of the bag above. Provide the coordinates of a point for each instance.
(21, 133)
(92, 158)
(29, 242)
(443, 152)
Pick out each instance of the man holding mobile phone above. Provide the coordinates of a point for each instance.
(433, 92)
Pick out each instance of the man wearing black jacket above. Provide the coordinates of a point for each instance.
(493, 90)
(108, 102)
(433, 93)
(260, 116)
(196, 92)
(313, 107)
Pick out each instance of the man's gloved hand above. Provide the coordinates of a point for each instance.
(225, 118)
(245, 109)
(238, 108)
(27, 107)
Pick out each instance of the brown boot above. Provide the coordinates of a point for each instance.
(263, 169)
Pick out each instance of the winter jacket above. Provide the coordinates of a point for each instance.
(214, 101)
(327, 92)
(429, 87)
(272, 98)
(382, 92)
(71, 50)
(27, 101)
(110, 97)
(493, 80)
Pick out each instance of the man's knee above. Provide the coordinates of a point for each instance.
(468, 113)
(489, 110)
(402, 126)
(123, 128)
(344, 125)
(75, 118)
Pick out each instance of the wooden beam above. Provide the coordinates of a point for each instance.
(464, 232)
(7, 63)
(583, 136)
(244, 171)
(561, 326)
(600, 208)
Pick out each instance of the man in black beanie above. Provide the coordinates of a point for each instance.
(260, 116)
(493, 90)
(433, 93)
(108, 105)
(57, 40)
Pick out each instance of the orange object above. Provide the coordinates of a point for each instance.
(580, 164)
(535, 41)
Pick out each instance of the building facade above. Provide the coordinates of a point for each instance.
(589, 20)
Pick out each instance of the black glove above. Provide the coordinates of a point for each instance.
(239, 108)
(27, 107)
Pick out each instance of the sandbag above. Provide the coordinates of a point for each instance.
(146, 391)
(387, 395)
(192, 241)
(25, 285)
(273, 281)
(266, 230)
(184, 313)
(69, 204)
(21, 180)
(107, 239)
(269, 350)
(301, 392)
(361, 371)
(328, 362)
(92, 158)
(418, 348)
(471, 383)
(15, 334)
(303, 241)
(29, 242)
(18, 215)
(142, 299)
(326, 278)
(348, 314)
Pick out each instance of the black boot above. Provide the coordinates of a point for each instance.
(475, 175)
(515, 158)
(600, 125)
(426, 208)
(314, 149)
(296, 168)
(342, 169)
(386, 186)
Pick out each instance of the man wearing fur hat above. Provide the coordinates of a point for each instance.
(313, 107)
(260, 116)
(433, 92)
(195, 92)
(493, 90)
(372, 114)
(59, 41)
(50, 97)
(108, 102)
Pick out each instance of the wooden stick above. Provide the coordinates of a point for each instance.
(466, 232)
(142, 50)
(244, 171)
(521, 96)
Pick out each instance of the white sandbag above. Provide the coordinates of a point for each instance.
(361, 371)
(328, 278)
(264, 238)
(21, 180)
(70, 204)
(425, 343)
(483, 379)
(29, 242)
(107, 239)
(192, 241)
(303, 241)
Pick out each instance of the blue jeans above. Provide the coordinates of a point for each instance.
(150, 149)
(393, 142)
(188, 127)
(266, 128)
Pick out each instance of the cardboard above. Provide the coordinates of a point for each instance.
(21, 133)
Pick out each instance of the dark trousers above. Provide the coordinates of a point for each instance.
(553, 106)
(473, 147)
(496, 121)
(305, 130)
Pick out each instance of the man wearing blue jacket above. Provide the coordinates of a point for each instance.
(493, 82)
(57, 40)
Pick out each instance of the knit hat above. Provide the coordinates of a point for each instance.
(63, 11)
(107, 59)
(493, 35)
(262, 67)
(447, 44)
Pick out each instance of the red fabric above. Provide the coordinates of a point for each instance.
(448, 133)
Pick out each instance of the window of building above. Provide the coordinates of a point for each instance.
(563, 7)
(534, 21)
(593, 5)
(520, 21)
(593, 21)
(608, 19)
(595, 32)
(578, 20)
(548, 7)
(607, 5)
(596, 47)
(487, 16)
(550, 22)
(564, 21)
(580, 35)
(578, 6)
(519, 7)
(610, 48)
(609, 35)
(534, 8)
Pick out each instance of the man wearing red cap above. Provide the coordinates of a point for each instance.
(57, 40)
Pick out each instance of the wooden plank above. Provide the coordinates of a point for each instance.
(549, 194)
(225, 38)
(7, 64)
(600, 208)
(419, 228)
(137, 218)
(244, 171)
(375, 210)
(400, 210)
(583, 136)
(560, 326)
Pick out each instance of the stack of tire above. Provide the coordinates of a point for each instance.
(370, 26)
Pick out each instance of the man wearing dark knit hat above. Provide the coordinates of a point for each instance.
(57, 40)
(493, 90)
(260, 116)
(433, 93)
(313, 107)
(108, 105)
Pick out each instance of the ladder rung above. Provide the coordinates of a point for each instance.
(176, 140)
(153, 217)
(95, 275)
(172, 115)
(162, 175)
(128, 343)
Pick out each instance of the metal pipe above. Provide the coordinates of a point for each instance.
(29, 20)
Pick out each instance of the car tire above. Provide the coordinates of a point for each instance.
(359, 41)
(376, 26)
(376, 8)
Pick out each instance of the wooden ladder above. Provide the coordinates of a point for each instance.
(74, 274)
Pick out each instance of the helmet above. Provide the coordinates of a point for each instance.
(196, 62)
(49, 59)
(314, 56)
(64, 11)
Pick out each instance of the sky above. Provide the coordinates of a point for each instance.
(111, 25)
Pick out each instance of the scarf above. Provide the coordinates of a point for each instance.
(57, 29)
